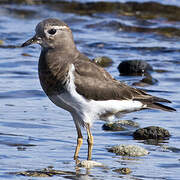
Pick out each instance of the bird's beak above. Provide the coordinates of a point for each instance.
(35, 39)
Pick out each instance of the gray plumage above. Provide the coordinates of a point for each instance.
(92, 82)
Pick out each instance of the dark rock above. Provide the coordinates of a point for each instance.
(146, 81)
(134, 67)
(123, 170)
(161, 70)
(121, 125)
(103, 61)
(149, 80)
(46, 172)
(113, 127)
(151, 132)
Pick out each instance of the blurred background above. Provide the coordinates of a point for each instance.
(35, 134)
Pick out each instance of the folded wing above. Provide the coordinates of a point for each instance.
(93, 82)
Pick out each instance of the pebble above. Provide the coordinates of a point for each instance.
(123, 170)
(128, 150)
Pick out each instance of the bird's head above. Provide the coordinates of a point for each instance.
(52, 33)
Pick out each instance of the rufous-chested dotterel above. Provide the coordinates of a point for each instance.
(78, 85)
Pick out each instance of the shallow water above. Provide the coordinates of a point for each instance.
(35, 134)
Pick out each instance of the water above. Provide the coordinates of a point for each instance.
(35, 134)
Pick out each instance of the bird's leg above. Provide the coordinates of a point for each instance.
(90, 142)
(79, 141)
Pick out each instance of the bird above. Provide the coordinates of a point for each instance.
(78, 85)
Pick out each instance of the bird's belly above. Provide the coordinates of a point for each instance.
(90, 110)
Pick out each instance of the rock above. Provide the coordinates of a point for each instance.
(169, 148)
(134, 67)
(103, 61)
(1, 42)
(113, 127)
(123, 170)
(120, 125)
(90, 164)
(151, 132)
(26, 54)
(147, 80)
(161, 70)
(128, 150)
(46, 172)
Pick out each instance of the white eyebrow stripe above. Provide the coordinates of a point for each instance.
(60, 27)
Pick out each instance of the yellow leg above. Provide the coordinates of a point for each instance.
(79, 141)
(90, 142)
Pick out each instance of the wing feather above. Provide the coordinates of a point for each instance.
(93, 82)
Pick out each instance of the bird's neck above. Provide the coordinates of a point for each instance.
(62, 50)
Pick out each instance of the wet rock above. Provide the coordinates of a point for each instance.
(151, 132)
(103, 61)
(149, 80)
(26, 54)
(123, 170)
(128, 150)
(113, 127)
(161, 70)
(90, 164)
(146, 81)
(144, 11)
(1, 42)
(46, 172)
(120, 125)
(134, 67)
(117, 26)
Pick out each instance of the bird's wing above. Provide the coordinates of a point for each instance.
(93, 82)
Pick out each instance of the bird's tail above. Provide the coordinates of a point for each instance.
(160, 106)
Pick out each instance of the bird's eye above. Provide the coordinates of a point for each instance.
(52, 31)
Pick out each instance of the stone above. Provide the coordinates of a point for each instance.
(120, 125)
(103, 61)
(147, 80)
(151, 132)
(128, 150)
(134, 67)
(123, 170)
(46, 172)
